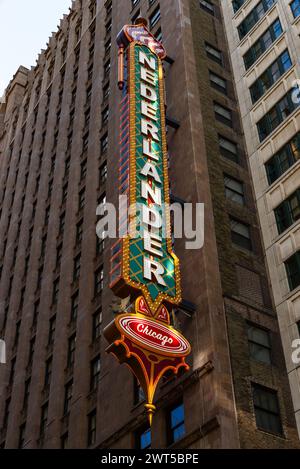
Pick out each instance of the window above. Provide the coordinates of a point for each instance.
(107, 66)
(154, 18)
(223, 114)
(214, 54)
(105, 115)
(48, 373)
(103, 173)
(284, 159)
(266, 408)
(97, 322)
(68, 397)
(17, 334)
(259, 344)
(71, 351)
(298, 325)
(135, 16)
(288, 212)
(12, 370)
(93, 9)
(270, 76)
(295, 6)
(228, 149)
(77, 266)
(99, 276)
(292, 266)
(263, 43)
(106, 92)
(26, 394)
(218, 82)
(100, 243)
(52, 325)
(74, 307)
(55, 291)
(254, 16)
(44, 418)
(79, 232)
(22, 436)
(276, 115)
(62, 220)
(31, 352)
(234, 190)
(143, 439)
(176, 425)
(104, 143)
(158, 35)
(81, 200)
(92, 426)
(236, 4)
(6, 412)
(207, 6)
(134, 3)
(83, 170)
(64, 441)
(95, 373)
(240, 234)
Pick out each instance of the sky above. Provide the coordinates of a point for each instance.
(25, 26)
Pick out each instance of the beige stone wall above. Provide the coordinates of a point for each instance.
(278, 247)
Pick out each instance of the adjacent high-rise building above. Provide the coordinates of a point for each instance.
(59, 157)
(264, 47)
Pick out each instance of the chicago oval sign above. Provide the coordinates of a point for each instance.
(153, 335)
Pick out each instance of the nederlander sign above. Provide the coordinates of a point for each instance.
(144, 265)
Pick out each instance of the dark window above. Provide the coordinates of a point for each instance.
(259, 344)
(62, 220)
(31, 351)
(22, 436)
(288, 212)
(71, 351)
(214, 54)
(74, 307)
(154, 18)
(134, 3)
(223, 114)
(106, 92)
(95, 373)
(83, 170)
(284, 159)
(64, 441)
(99, 276)
(218, 82)
(52, 325)
(68, 397)
(55, 291)
(105, 115)
(58, 256)
(97, 322)
(12, 370)
(104, 143)
(270, 76)
(81, 199)
(234, 190)
(228, 149)
(143, 439)
(176, 425)
(236, 4)
(277, 115)
(295, 6)
(79, 232)
(292, 266)
(103, 173)
(266, 409)
(207, 6)
(92, 428)
(6, 412)
(44, 418)
(240, 234)
(77, 267)
(254, 16)
(263, 43)
(48, 372)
